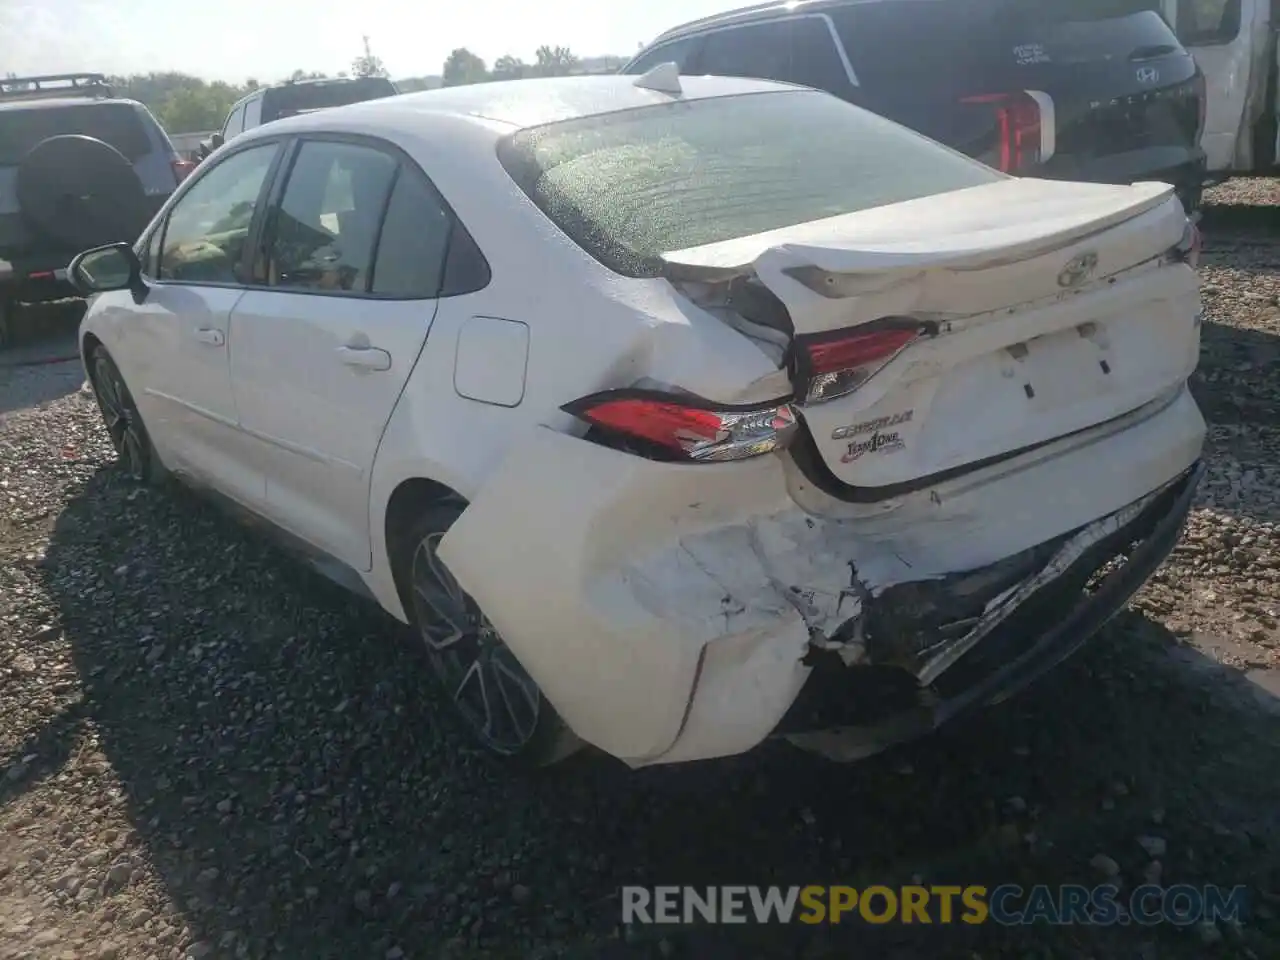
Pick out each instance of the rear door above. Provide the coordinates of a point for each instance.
(1228, 39)
(323, 344)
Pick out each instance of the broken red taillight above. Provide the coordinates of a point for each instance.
(1020, 130)
(671, 426)
(833, 364)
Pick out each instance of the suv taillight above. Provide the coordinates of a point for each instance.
(666, 426)
(1022, 139)
(833, 364)
(181, 168)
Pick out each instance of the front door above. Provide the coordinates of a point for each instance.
(179, 335)
(322, 349)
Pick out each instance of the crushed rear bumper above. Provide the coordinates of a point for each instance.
(1047, 627)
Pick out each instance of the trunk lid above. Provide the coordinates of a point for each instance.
(1051, 306)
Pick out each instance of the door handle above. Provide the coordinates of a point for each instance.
(366, 358)
(211, 335)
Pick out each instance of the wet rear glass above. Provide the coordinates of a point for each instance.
(118, 124)
(631, 185)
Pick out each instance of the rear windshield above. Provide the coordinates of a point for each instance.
(950, 47)
(280, 102)
(118, 124)
(631, 185)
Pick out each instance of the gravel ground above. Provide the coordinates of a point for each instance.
(205, 751)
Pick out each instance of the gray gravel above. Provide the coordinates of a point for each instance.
(205, 751)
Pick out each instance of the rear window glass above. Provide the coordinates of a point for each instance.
(115, 123)
(632, 185)
(280, 102)
(943, 46)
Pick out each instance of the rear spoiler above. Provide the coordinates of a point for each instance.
(93, 85)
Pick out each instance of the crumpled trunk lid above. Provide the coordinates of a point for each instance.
(1051, 306)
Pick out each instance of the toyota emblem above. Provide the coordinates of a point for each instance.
(1078, 269)
(1148, 75)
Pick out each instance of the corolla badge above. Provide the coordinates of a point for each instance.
(1148, 75)
(1078, 269)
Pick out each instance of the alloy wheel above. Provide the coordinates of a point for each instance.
(488, 686)
(121, 418)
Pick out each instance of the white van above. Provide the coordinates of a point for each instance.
(1234, 41)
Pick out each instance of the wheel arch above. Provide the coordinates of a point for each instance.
(394, 502)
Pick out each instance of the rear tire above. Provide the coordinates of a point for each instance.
(485, 687)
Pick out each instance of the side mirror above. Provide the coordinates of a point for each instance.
(111, 267)
(216, 141)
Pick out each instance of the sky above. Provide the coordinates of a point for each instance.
(268, 39)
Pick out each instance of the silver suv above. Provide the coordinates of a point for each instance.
(79, 167)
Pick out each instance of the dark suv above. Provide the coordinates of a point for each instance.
(299, 96)
(1096, 90)
(79, 167)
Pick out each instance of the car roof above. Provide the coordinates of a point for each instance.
(44, 103)
(755, 12)
(516, 103)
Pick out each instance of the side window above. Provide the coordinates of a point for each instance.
(799, 50)
(253, 113)
(760, 50)
(326, 227)
(1207, 22)
(206, 230)
(234, 124)
(414, 241)
(815, 61)
(680, 52)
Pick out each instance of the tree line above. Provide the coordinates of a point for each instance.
(186, 104)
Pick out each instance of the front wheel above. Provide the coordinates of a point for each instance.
(486, 687)
(120, 415)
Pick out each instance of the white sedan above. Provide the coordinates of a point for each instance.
(660, 406)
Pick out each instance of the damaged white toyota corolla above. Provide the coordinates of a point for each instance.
(672, 413)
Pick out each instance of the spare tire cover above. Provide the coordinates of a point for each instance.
(81, 192)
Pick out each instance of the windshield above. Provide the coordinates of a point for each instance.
(118, 124)
(632, 185)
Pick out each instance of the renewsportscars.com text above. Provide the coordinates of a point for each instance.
(1008, 904)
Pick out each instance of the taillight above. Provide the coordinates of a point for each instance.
(670, 426)
(181, 168)
(1023, 138)
(1188, 248)
(830, 365)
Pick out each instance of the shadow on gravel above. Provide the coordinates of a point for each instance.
(1236, 380)
(44, 753)
(44, 364)
(301, 797)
